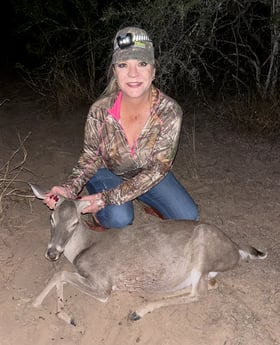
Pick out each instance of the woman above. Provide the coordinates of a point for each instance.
(131, 138)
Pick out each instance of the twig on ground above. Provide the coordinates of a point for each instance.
(9, 174)
(4, 101)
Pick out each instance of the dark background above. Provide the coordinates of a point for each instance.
(10, 47)
(223, 51)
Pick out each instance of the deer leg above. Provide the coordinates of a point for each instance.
(150, 307)
(212, 284)
(51, 284)
(199, 286)
(60, 313)
(74, 279)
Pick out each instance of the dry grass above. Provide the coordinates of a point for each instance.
(187, 148)
(59, 83)
(10, 172)
(254, 115)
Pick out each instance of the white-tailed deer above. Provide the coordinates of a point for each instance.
(163, 256)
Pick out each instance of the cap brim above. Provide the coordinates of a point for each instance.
(134, 53)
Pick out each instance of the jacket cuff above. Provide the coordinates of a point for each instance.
(105, 197)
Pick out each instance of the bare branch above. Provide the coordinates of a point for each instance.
(10, 172)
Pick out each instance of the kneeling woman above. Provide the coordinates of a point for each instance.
(131, 138)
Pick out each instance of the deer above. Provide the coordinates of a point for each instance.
(176, 259)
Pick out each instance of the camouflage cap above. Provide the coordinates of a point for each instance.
(133, 43)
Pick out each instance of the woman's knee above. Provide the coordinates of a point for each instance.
(193, 213)
(187, 210)
(116, 216)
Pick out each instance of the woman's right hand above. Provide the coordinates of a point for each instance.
(52, 197)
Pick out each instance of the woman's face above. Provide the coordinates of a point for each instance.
(134, 77)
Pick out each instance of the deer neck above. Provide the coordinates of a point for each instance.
(81, 239)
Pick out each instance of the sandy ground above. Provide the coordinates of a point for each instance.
(236, 188)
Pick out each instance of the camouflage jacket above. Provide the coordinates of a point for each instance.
(106, 146)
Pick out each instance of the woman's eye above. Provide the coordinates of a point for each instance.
(121, 65)
(143, 64)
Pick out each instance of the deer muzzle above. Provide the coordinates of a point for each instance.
(53, 254)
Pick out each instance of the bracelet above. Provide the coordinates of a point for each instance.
(99, 201)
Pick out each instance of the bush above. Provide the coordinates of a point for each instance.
(251, 114)
(201, 46)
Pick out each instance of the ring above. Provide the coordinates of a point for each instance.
(99, 203)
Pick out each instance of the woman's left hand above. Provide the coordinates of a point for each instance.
(96, 203)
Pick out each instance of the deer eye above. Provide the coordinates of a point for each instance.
(75, 224)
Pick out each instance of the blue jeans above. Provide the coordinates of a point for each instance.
(168, 197)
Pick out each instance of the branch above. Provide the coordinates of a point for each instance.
(9, 175)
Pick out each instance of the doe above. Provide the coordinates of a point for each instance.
(163, 256)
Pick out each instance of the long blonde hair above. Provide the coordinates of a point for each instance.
(112, 86)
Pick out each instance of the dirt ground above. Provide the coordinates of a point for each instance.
(233, 178)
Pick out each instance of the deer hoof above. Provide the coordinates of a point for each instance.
(73, 322)
(134, 316)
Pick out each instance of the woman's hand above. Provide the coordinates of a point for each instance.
(96, 203)
(51, 198)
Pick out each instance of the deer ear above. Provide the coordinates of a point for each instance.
(60, 200)
(37, 191)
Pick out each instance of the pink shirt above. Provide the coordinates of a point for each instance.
(115, 111)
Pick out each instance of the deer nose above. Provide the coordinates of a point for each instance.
(52, 254)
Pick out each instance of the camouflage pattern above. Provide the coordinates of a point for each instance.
(106, 146)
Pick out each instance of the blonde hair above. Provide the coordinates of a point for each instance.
(112, 86)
